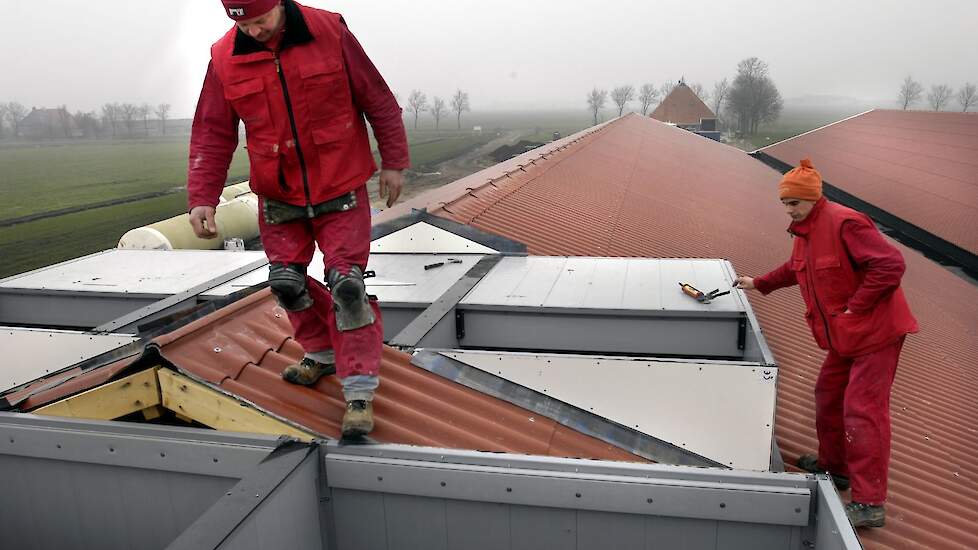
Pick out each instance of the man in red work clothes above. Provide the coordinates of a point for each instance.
(850, 279)
(302, 84)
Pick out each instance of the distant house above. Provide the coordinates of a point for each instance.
(683, 108)
(50, 124)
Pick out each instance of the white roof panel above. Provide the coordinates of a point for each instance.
(640, 284)
(118, 271)
(29, 354)
(722, 411)
(401, 278)
(424, 238)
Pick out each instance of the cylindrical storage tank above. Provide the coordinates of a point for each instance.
(235, 218)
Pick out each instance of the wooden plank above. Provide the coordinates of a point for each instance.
(211, 408)
(109, 401)
(152, 413)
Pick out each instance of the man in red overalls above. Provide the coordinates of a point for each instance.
(850, 279)
(302, 84)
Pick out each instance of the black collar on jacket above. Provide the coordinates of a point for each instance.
(296, 32)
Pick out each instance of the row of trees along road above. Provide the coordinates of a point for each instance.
(752, 99)
(939, 97)
(417, 103)
(114, 119)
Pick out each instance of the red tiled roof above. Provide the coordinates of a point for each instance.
(682, 106)
(412, 406)
(635, 187)
(921, 167)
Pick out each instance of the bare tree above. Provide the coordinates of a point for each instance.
(3, 117)
(967, 96)
(438, 110)
(622, 95)
(64, 119)
(144, 111)
(939, 95)
(417, 103)
(128, 112)
(720, 90)
(163, 113)
(699, 91)
(16, 114)
(87, 123)
(754, 98)
(667, 88)
(910, 92)
(460, 103)
(647, 96)
(110, 115)
(595, 102)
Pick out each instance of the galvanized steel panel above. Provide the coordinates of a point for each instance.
(154, 272)
(477, 525)
(633, 284)
(401, 278)
(425, 238)
(359, 516)
(723, 411)
(29, 354)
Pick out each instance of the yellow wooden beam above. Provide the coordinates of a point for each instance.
(192, 399)
(124, 396)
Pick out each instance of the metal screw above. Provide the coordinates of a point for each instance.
(443, 484)
(648, 500)
(797, 510)
(723, 505)
(578, 495)
(509, 489)
(217, 350)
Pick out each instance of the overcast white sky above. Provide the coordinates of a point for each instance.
(507, 54)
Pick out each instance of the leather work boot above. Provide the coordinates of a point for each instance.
(358, 420)
(809, 463)
(307, 371)
(866, 515)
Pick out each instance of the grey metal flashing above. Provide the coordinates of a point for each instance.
(145, 447)
(756, 348)
(496, 242)
(623, 437)
(437, 312)
(832, 527)
(220, 522)
(914, 236)
(185, 299)
(761, 504)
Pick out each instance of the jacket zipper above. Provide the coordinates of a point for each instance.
(295, 134)
(811, 283)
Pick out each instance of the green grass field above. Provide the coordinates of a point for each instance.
(44, 178)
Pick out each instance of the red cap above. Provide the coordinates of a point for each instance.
(240, 10)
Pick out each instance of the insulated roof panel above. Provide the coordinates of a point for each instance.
(29, 354)
(633, 284)
(401, 278)
(722, 411)
(155, 272)
(424, 238)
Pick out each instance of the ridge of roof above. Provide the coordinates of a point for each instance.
(783, 141)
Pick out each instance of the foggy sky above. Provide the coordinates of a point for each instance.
(507, 54)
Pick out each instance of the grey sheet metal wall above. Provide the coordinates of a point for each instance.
(86, 484)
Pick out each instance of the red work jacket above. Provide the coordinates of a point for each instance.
(306, 137)
(841, 261)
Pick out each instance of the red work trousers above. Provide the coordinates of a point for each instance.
(344, 238)
(852, 417)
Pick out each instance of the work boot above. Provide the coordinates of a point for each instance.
(307, 371)
(358, 420)
(866, 515)
(809, 463)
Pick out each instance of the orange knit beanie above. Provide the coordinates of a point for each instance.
(803, 183)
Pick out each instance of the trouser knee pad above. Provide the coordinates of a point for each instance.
(350, 299)
(288, 283)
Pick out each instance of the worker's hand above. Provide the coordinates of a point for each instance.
(202, 222)
(744, 283)
(391, 182)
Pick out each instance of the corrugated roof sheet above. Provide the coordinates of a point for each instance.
(682, 106)
(635, 187)
(412, 406)
(919, 166)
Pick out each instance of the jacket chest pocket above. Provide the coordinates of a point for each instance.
(832, 280)
(249, 102)
(326, 91)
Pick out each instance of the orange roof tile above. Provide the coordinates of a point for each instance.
(634, 187)
(682, 106)
(921, 167)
